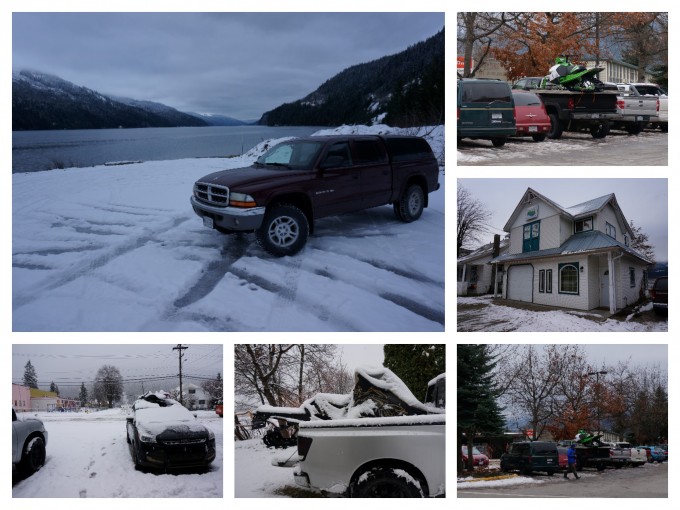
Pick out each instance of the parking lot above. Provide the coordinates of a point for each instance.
(574, 149)
(648, 481)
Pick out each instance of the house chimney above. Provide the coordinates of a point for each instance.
(496, 245)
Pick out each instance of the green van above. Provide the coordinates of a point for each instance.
(528, 456)
(486, 110)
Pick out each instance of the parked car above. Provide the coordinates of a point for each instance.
(530, 115)
(529, 456)
(164, 435)
(563, 457)
(486, 110)
(478, 458)
(529, 83)
(655, 454)
(29, 439)
(659, 295)
(219, 410)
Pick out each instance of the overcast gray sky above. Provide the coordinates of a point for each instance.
(644, 201)
(235, 64)
(355, 355)
(70, 364)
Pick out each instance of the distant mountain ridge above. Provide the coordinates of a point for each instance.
(44, 101)
(405, 89)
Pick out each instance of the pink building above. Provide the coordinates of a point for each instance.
(21, 398)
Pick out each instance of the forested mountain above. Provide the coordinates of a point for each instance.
(405, 89)
(43, 101)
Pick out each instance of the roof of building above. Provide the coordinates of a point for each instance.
(583, 209)
(483, 251)
(583, 242)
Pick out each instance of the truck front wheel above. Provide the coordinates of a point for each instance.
(284, 230)
(410, 205)
(34, 456)
(386, 483)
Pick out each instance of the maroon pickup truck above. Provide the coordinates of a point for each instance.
(301, 180)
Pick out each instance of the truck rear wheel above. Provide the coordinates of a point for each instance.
(34, 456)
(385, 483)
(284, 230)
(600, 130)
(555, 127)
(498, 142)
(410, 205)
(635, 128)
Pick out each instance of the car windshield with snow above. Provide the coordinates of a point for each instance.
(164, 435)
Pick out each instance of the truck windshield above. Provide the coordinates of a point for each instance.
(292, 154)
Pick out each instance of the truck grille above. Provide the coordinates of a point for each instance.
(212, 194)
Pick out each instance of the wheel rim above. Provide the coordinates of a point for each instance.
(283, 231)
(414, 203)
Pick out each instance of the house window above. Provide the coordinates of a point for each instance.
(201, 402)
(610, 230)
(474, 274)
(192, 392)
(548, 281)
(583, 225)
(531, 236)
(541, 280)
(568, 278)
(625, 239)
(631, 275)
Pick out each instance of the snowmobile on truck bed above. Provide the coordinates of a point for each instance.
(574, 77)
(377, 392)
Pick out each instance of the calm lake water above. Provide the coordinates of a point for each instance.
(34, 151)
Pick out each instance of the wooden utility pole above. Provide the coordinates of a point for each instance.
(180, 348)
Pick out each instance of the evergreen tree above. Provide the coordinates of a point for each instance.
(478, 411)
(416, 365)
(30, 376)
(83, 394)
(54, 388)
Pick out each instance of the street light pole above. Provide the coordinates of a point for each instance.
(597, 394)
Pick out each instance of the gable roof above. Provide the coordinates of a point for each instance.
(589, 242)
(583, 209)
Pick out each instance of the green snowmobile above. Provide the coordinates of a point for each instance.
(574, 77)
(587, 439)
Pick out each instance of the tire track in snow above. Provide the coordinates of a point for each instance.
(89, 265)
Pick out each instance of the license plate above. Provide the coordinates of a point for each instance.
(595, 116)
(533, 129)
(208, 222)
(496, 115)
(639, 117)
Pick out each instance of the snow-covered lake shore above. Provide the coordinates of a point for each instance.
(119, 248)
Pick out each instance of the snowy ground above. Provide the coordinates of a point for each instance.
(119, 248)
(255, 477)
(88, 457)
(481, 314)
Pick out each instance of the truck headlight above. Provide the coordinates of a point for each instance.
(241, 200)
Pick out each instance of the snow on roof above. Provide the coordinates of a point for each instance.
(590, 206)
(433, 381)
(483, 251)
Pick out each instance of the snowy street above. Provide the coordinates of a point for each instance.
(88, 457)
(483, 313)
(119, 248)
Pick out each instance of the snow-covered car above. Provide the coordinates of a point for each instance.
(164, 435)
(29, 439)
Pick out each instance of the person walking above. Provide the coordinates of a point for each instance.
(571, 461)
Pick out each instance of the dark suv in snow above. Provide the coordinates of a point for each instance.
(299, 181)
(659, 295)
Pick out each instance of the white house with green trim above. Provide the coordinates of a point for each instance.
(572, 257)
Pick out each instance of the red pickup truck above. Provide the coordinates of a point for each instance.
(301, 180)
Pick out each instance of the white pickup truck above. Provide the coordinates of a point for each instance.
(649, 92)
(624, 454)
(385, 443)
